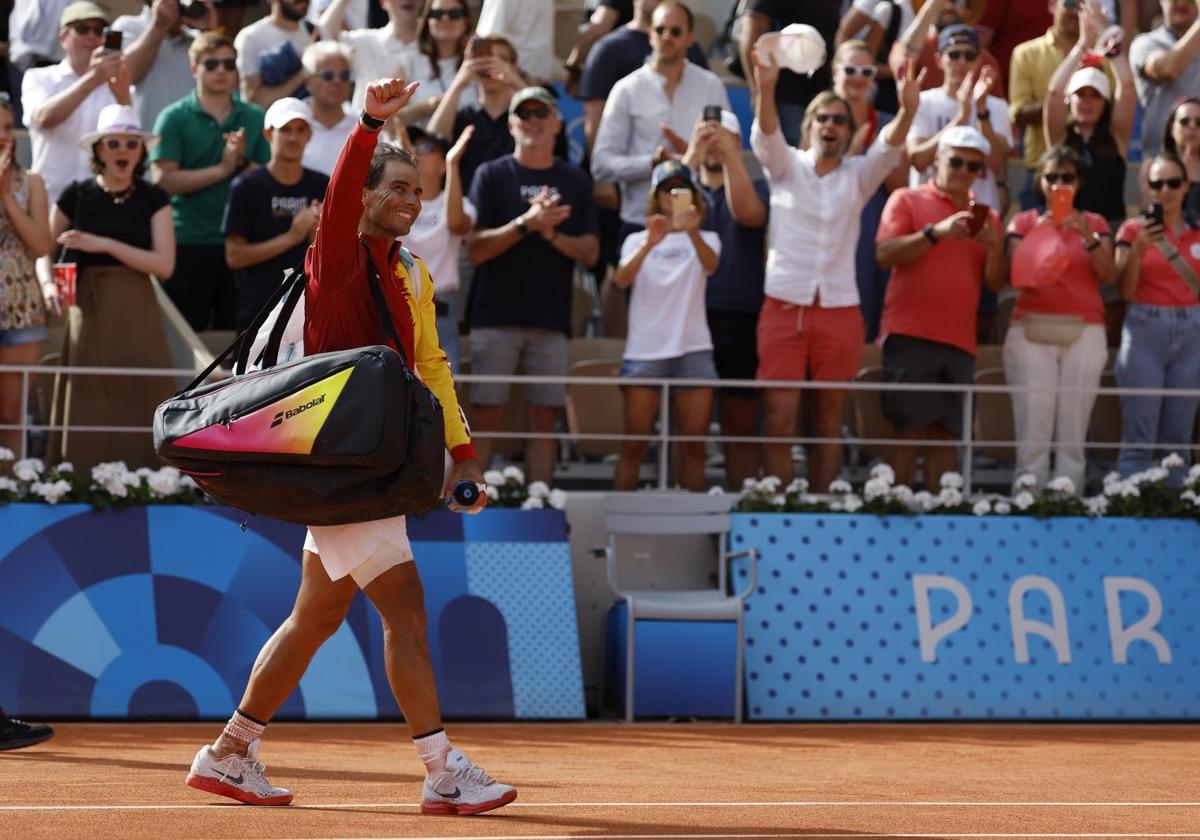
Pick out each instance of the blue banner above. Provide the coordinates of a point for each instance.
(945, 617)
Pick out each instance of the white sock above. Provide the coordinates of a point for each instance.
(433, 749)
(238, 734)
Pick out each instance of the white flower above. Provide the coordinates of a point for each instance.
(952, 481)
(558, 499)
(1189, 496)
(1113, 477)
(6, 454)
(492, 493)
(188, 483)
(1002, 507)
(1129, 490)
(852, 503)
(924, 501)
(1025, 481)
(533, 503)
(539, 488)
(1157, 474)
(779, 500)
(982, 508)
(7, 485)
(1193, 473)
(164, 482)
(749, 484)
(1062, 485)
(798, 485)
(116, 487)
(883, 471)
(1097, 505)
(1023, 500)
(51, 491)
(493, 477)
(902, 493)
(1172, 461)
(950, 496)
(28, 469)
(837, 507)
(65, 466)
(514, 473)
(143, 472)
(716, 490)
(840, 487)
(876, 487)
(1113, 488)
(770, 484)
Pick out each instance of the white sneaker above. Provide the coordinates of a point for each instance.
(238, 778)
(463, 788)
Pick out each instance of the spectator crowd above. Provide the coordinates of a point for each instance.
(928, 176)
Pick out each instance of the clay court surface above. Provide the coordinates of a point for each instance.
(641, 781)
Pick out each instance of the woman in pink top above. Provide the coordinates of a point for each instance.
(1160, 343)
(1056, 341)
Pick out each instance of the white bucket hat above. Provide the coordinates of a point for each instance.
(117, 119)
(797, 47)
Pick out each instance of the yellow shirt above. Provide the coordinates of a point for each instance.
(1032, 65)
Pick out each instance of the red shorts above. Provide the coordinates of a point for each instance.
(809, 342)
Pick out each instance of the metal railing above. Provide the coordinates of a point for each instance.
(664, 437)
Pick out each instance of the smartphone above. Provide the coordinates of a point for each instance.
(681, 202)
(478, 47)
(1062, 202)
(113, 38)
(1154, 213)
(192, 10)
(979, 217)
(712, 113)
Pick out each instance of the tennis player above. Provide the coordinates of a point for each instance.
(373, 198)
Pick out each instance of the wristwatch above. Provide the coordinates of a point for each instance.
(1093, 242)
(984, 115)
(522, 228)
(929, 234)
(370, 123)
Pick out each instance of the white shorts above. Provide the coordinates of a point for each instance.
(362, 550)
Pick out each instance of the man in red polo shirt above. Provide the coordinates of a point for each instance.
(374, 196)
(941, 250)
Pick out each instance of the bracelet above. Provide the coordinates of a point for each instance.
(370, 123)
(522, 228)
(928, 233)
(984, 115)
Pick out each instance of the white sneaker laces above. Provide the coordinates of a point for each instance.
(474, 773)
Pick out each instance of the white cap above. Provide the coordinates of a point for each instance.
(1090, 77)
(730, 122)
(797, 47)
(964, 137)
(283, 111)
(117, 119)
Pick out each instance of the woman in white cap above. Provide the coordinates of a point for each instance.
(1083, 112)
(117, 229)
(24, 236)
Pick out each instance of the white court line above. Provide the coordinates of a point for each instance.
(840, 803)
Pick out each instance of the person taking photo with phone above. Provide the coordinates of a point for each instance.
(942, 248)
(668, 264)
(811, 325)
(1060, 258)
(1158, 257)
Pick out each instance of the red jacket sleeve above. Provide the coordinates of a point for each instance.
(334, 248)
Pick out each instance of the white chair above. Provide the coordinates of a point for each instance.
(677, 514)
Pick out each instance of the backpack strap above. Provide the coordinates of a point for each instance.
(385, 318)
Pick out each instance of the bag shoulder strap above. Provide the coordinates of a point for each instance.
(385, 318)
(1181, 265)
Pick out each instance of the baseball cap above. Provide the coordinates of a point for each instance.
(670, 170)
(81, 10)
(283, 111)
(959, 33)
(730, 122)
(532, 94)
(964, 137)
(1090, 77)
(417, 134)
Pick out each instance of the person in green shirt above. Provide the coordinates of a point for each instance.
(206, 139)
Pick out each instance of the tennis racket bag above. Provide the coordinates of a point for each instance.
(347, 436)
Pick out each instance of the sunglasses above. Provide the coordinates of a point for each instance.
(1059, 177)
(1188, 121)
(1169, 183)
(836, 119)
(866, 71)
(211, 64)
(329, 75)
(87, 29)
(973, 166)
(534, 114)
(676, 31)
(962, 55)
(452, 14)
(130, 143)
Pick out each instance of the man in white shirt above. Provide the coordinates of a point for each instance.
(327, 65)
(811, 325)
(156, 49)
(529, 25)
(264, 39)
(377, 53)
(33, 33)
(62, 102)
(962, 100)
(651, 111)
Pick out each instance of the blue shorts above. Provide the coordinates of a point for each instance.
(696, 365)
(25, 335)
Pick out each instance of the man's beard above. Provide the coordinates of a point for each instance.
(291, 12)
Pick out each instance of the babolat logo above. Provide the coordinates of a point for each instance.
(300, 409)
